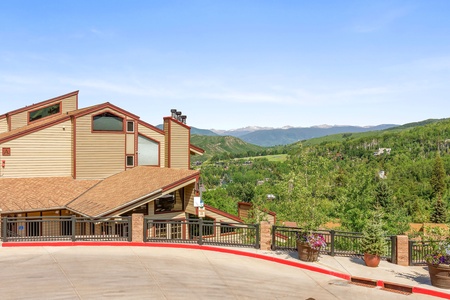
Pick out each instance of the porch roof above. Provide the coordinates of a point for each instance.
(128, 187)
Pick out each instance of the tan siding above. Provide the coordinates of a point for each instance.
(98, 155)
(21, 119)
(3, 125)
(130, 144)
(44, 153)
(179, 147)
(189, 194)
(148, 132)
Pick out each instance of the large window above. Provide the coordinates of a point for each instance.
(44, 112)
(107, 122)
(170, 202)
(148, 154)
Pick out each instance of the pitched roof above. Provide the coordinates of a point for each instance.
(125, 188)
(90, 197)
(42, 193)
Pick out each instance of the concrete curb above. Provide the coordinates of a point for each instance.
(368, 282)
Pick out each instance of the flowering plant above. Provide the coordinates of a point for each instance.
(314, 240)
(440, 253)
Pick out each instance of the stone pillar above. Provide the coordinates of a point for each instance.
(402, 250)
(137, 228)
(266, 237)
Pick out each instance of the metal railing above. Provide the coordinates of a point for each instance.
(202, 232)
(418, 251)
(338, 242)
(25, 229)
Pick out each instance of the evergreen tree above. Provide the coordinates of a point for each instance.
(374, 240)
(438, 177)
(383, 194)
(439, 214)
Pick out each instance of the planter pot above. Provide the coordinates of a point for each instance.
(439, 275)
(306, 253)
(372, 260)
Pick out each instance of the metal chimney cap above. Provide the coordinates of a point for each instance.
(173, 110)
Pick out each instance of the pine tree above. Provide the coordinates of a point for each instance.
(439, 214)
(438, 177)
(374, 240)
(383, 194)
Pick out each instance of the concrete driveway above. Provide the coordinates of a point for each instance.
(129, 272)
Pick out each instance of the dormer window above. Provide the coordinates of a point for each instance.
(107, 122)
(44, 112)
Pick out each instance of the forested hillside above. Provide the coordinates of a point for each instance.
(343, 181)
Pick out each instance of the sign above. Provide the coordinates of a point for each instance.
(21, 227)
(198, 202)
(201, 212)
(6, 151)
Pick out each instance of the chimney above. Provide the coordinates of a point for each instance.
(183, 119)
(179, 116)
(173, 113)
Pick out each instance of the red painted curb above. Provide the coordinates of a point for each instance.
(380, 283)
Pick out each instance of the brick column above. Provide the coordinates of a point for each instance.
(266, 237)
(402, 250)
(137, 228)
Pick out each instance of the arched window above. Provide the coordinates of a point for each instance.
(107, 122)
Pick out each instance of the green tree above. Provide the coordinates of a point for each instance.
(438, 177)
(383, 194)
(439, 214)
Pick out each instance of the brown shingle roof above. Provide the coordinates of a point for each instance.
(123, 188)
(27, 194)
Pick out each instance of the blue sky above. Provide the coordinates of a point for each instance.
(230, 64)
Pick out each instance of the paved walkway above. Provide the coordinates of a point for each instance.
(133, 272)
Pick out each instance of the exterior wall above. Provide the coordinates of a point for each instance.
(130, 144)
(148, 132)
(178, 145)
(44, 153)
(3, 125)
(21, 119)
(98, 154)
(189, 194)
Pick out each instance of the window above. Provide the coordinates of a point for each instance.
(148, 152)
(107, 122)
(130, 161)
(44, 112)
(170, 202)
(130, 126)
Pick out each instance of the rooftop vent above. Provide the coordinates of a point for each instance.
(177, 115)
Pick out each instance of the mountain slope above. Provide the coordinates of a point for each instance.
(291, 135)
(221, 146)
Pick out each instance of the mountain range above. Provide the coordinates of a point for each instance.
(267, 136)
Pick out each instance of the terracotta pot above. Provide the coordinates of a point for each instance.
(439, 275)
(306, 253)
(372, 260)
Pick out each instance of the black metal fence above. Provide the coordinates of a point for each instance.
(201, 232)
(338, 242)
(418, 251)
(65, 229)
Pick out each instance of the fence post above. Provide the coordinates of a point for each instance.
(403, 253)
(333, 234)
(73, 223)
(274, 231)
(5, 229)
(394, 249)
(257, 236)
(200, 233)
(137, 228)
(410, 248)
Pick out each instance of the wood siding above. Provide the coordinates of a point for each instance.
(21, 119)
(179, 146)
(3, 125)
(98, 154)
(130, 143)
(148, 132)
(41, 154)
